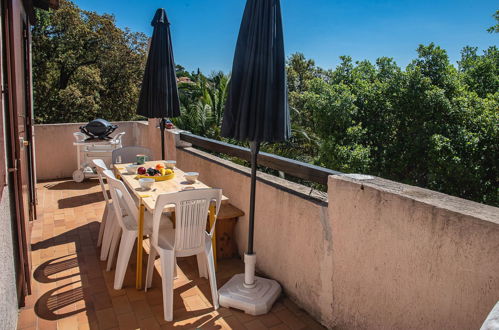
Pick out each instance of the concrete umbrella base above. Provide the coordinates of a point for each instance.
(252, 294)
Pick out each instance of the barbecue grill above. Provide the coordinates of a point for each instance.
(94, 142)
(99, 129)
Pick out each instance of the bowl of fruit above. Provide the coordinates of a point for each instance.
(159, 173)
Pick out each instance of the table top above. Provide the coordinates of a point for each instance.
(178, 183)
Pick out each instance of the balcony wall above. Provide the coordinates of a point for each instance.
(369, 254)
(373, 254)
(56, 154)
(410, 258)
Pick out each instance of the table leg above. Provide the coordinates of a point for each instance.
(140, 235)
(213, 239)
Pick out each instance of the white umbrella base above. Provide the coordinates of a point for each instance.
(254, 301)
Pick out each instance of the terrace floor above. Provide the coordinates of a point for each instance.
(72, 290)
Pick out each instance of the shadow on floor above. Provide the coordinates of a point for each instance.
(70, 184)
(76, 201)
(75, 284)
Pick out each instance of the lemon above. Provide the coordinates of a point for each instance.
(168, 172)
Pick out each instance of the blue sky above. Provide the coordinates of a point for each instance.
(204, 32)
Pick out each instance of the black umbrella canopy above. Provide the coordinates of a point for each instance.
(159, 93)
(257, 105)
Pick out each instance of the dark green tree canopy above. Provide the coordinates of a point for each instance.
(84, 66)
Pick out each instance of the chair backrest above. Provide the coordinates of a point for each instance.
(129, 154)
(123, 202)
(100, 166)
(117, 140)
(191, 212)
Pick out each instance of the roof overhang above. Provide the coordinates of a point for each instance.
(46, 4)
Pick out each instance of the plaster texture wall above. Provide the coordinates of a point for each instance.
(56, 154)
(292, 233)
(8, 301)
(410, 258)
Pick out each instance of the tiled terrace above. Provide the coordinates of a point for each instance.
(72, 290)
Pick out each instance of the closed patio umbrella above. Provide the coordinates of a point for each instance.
(256, 111)
(159, 94)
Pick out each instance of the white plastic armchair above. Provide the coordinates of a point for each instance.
(79, 137)
(116, 141)
(129, 154)
(127, 216)
(189, 238)
(100, 166)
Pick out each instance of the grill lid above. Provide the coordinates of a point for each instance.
(98, 129)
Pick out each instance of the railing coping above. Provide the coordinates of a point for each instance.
(289, 166)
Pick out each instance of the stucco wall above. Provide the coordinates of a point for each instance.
(377, 255)
(8, 301)
(410, 258)
(8, 289)
(292, 234)
(56, 154)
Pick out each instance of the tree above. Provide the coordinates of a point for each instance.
(84, 66)
(495, 28)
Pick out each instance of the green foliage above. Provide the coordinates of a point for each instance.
(84, 66)
(495, 28)
(431, 125)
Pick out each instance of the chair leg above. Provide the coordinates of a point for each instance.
(175, 276)
(114, 246)
(126, 247)
(102, 225)
(202, 266)
(108, 234)
(213, 277)
(167, 265)
(150, 267)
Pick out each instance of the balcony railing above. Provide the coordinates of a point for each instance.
(289, 166)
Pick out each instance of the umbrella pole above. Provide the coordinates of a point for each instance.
(254, 295)
(250, 256)
(255, 148)
(162, 128)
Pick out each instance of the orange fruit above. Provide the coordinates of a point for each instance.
(159, 166)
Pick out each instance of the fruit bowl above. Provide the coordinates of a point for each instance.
(157, 178)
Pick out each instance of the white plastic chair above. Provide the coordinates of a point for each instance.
(79, 137)
(129, 154)
(108, 215)
(127, 219)
(187, 239)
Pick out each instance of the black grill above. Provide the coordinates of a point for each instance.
(98, 129)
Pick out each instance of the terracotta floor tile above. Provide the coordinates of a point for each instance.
(255, 325)
(290, 319)
(107, 319)
(149, 323)
(127, 321)
(269, 320)
(69, 279)
(121, 305)
(67, 323)
(26, 319)
(141, 309)
(281, 326)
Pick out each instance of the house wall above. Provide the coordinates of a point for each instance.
(377, 255)
(8, 302)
